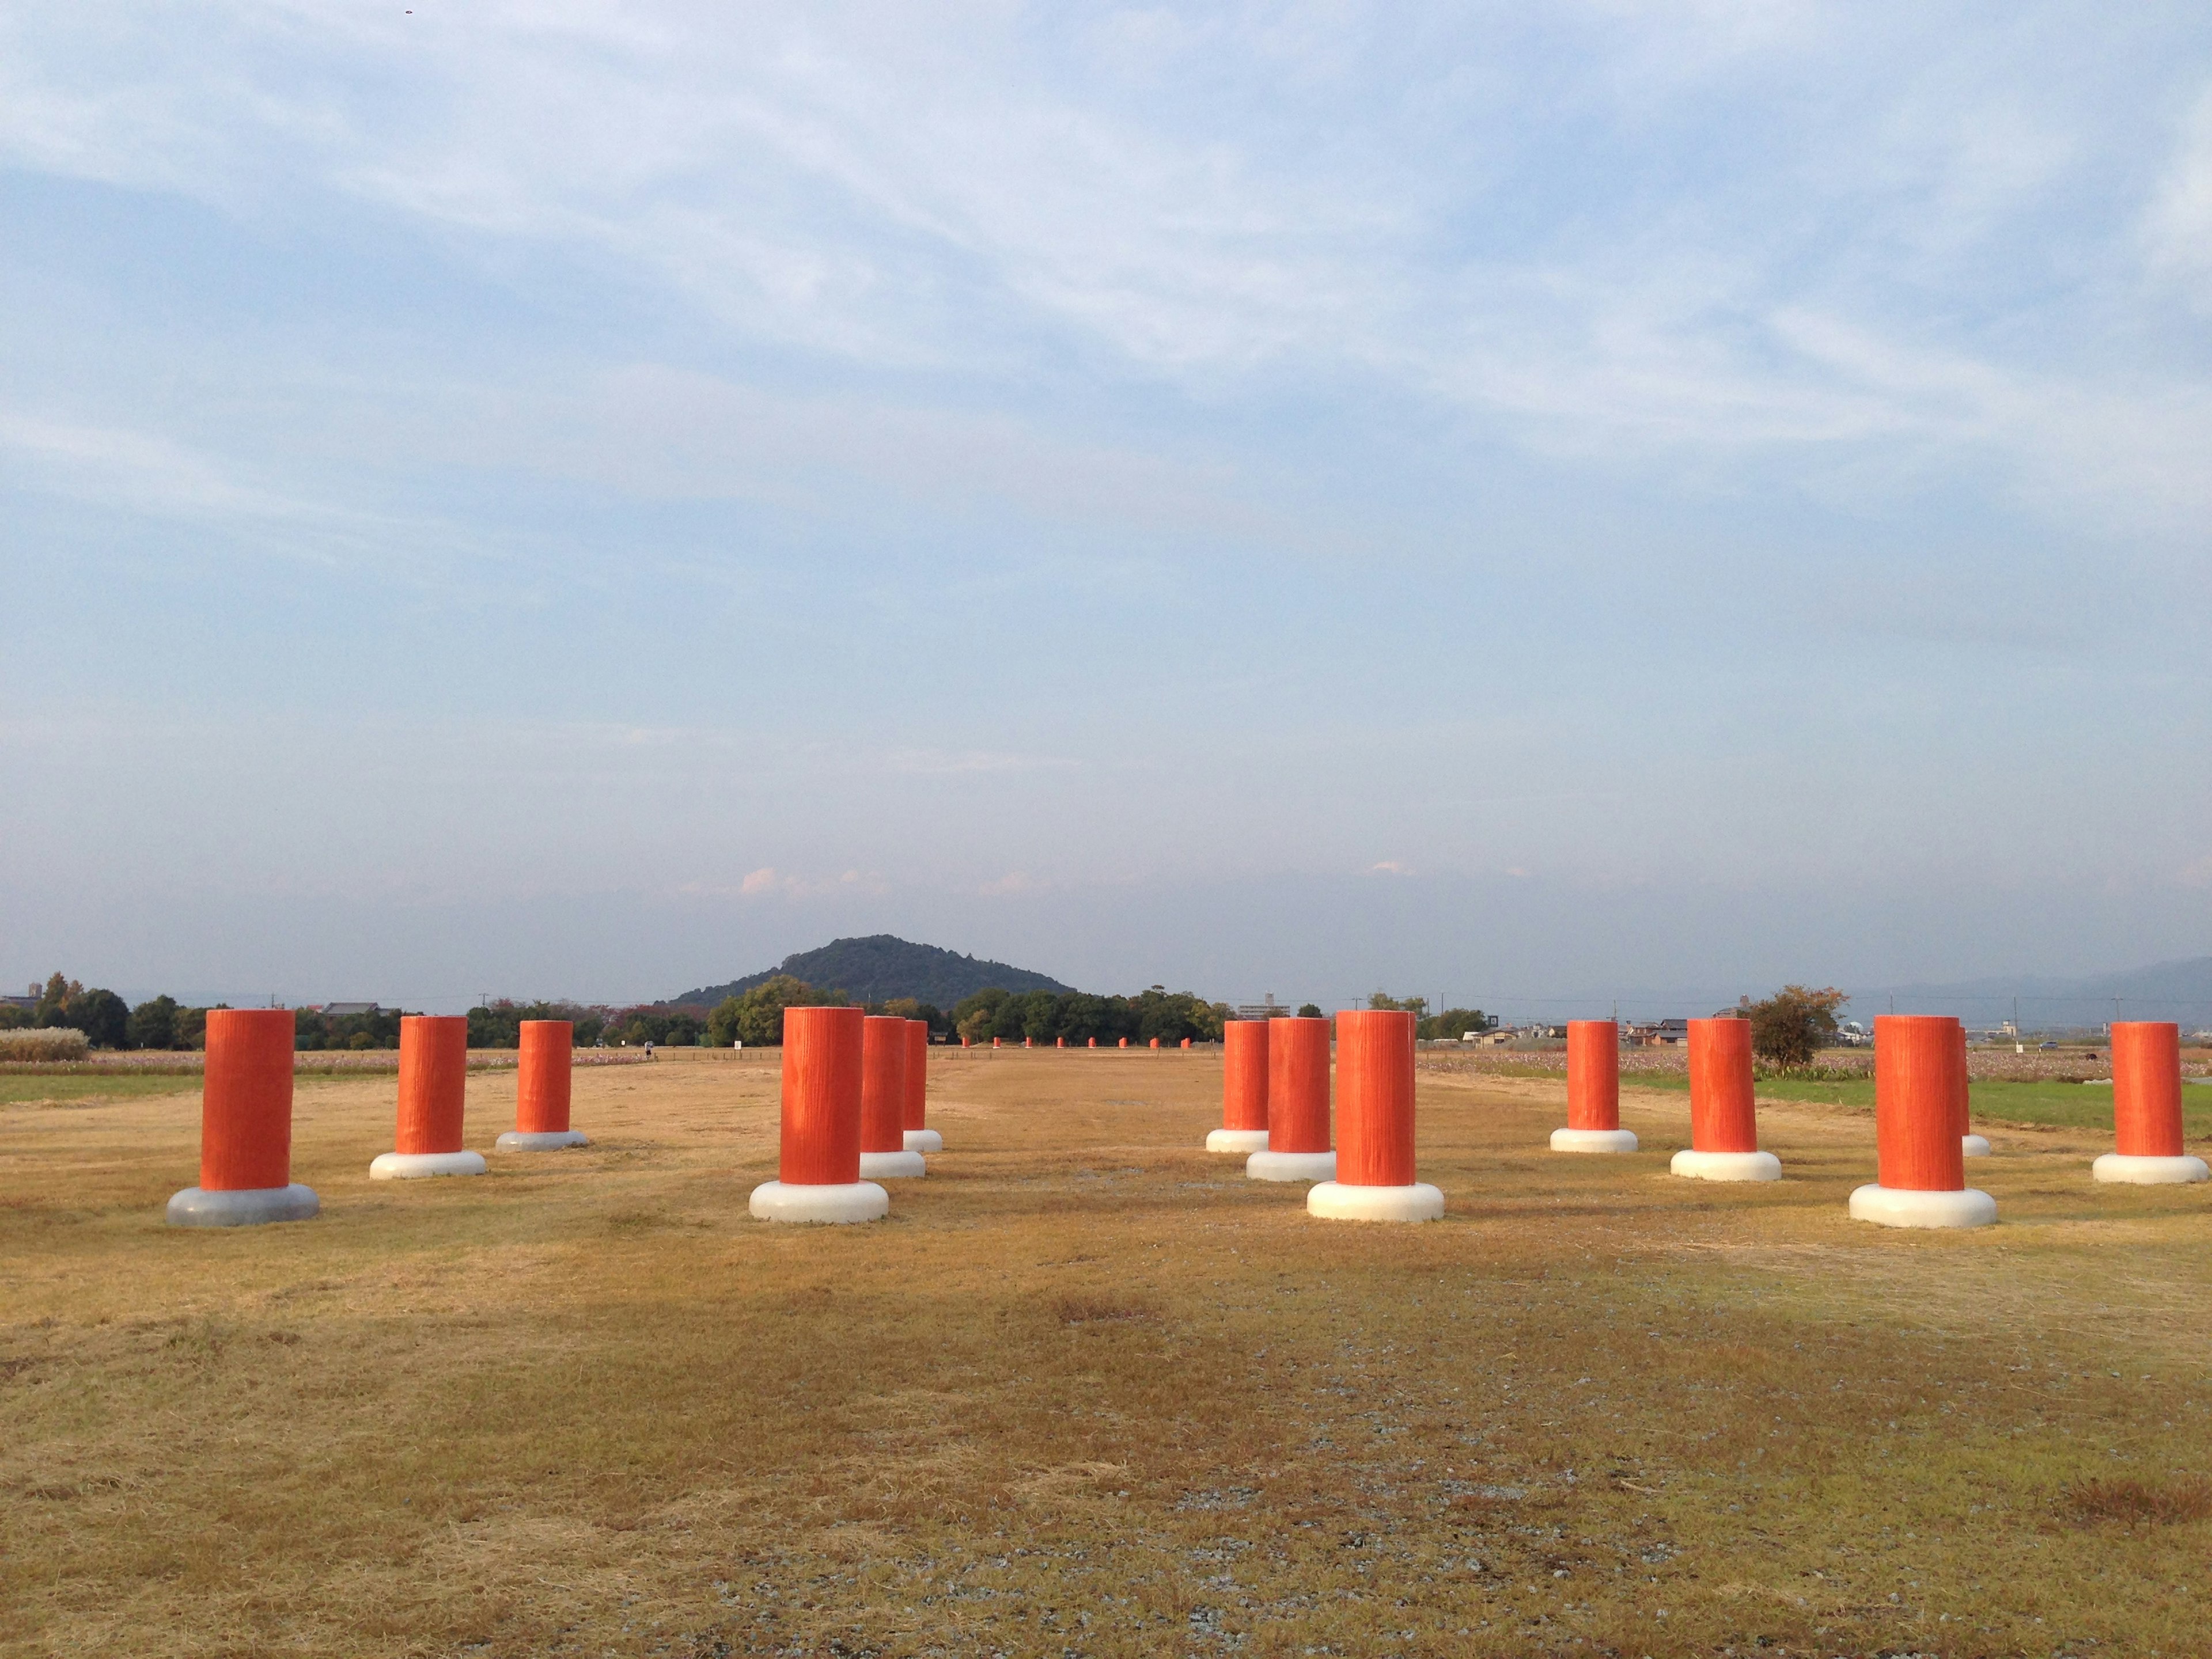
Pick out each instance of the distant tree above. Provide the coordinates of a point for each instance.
(154, 1024)
(755, 1018)
(1453, 1023)
(103, 1016)
(1308, 1011)
(191, 1027)
(1417, 1006)
(54, 998)
(1794, 1025)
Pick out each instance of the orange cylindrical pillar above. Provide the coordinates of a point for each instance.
(246, 1126)
(1724, 1118)
(433, 1076)
(918, 1136)
(2146, 1131)
(883, 1153)
(1375, 1124)
(1593, 1090)
(1297, 1104)
(1374, 1098)
(1125, 1042)
(543, 1074)
(1243, 1088)
(818, 1164)
(1723, 1115)
(1922, 1179)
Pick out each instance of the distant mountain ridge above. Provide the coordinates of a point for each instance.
(2178, 991)
(880, 967)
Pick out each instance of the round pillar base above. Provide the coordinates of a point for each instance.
(409, 1166)
(836, 1203)
(2140, 1172)
(247, 1207)
(924, 1140)
(1727, 1166)
(540, 1141)
(1593, 1140)
(1291, 1166)
(1973, 1147)
(1903, 1206)
(1236, 1140)
(1333, 1200)
(891, 1166)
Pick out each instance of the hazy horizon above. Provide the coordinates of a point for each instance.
(1577, 504)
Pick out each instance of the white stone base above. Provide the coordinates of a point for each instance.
(1973, 1147)
(540, 1141)
(924, 1140)
(2149, 1171)
(1593, 1140)
(1291, 1166)
(247, 1207)
(1901, 1206)
(407, 1166)
(1236, 1140)
(1335, 1201)
(1727, 1166)
(852, 1201)
(891, 1166)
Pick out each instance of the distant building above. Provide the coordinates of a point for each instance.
(1660, 1034)
(1269, 1009)
(340, 1009)
(19, 1002)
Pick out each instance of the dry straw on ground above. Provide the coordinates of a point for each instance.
(1087, 1391)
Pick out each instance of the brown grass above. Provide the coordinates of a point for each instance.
(1086, 1391)
(2141, 1503)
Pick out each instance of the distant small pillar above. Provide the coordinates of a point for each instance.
(246, 1127)
(1026, 1043)
(543, 1074)
(1125, 1042)
(1374, 1125)
(1094, 1042)
(818, 1166)
(1060, 1042)
(1243, 1088)
(1156, 1043)
(2147, 1108)
(918, 1136)
(433, 1080)
(1297, 1104)
(1923, 1177)
(1723, 1116)
(1186, 1043)
(1593, 1090)
(1970, 1144)
(883, 1154)
(994, 1043)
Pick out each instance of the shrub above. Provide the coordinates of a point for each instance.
(44, 1043)
(1792, 1025)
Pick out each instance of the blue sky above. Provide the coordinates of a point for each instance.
(1485, 501)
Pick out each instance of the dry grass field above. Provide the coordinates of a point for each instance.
(1088, 1391)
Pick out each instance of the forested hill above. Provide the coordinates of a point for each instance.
(880, 967)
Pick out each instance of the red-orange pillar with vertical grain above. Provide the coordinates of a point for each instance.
(1593, 1074)
(544, 1076)
(246, 1126)
(1374, 1098)
(1297, 1085)
(1923, 1177)
(2147, 1088)
(821, 1144)
(882, 1084)
(1723, 1118)
(433, 1076)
